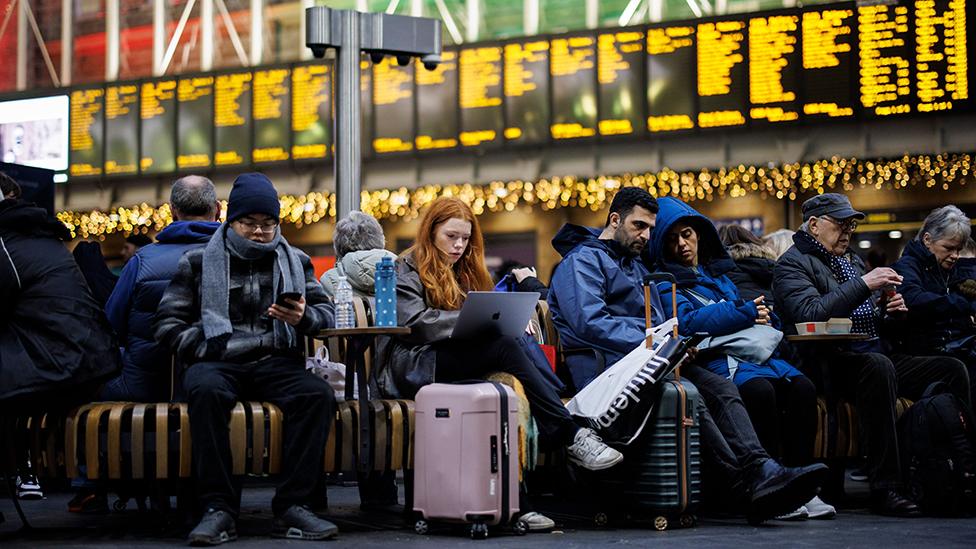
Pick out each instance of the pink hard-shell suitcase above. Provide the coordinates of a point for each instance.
(466, 459)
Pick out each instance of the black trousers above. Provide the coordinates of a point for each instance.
(306, 401)
(873, 381)
(728, 440)
(784, 415)
(469, 359)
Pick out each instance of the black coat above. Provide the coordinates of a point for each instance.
(939, 316)
(753, 272)
(53, 335)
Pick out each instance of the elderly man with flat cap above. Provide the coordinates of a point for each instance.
(820, 278)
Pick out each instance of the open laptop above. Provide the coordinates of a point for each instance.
(495, 313)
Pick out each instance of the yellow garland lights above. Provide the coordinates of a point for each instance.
(782, 182)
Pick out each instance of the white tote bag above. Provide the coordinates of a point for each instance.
(332, 372)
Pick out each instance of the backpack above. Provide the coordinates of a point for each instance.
(938, 453)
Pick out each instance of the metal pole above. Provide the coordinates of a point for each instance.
(347, 126)
(305, 53)
(257, 31)
(592, 14)
(473, 20)
(67, 40)
(22, 31)
(417, 8)
(111, 40)
(159, 35)
(207, 34)
(530, 17)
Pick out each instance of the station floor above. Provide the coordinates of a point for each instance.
(854, 527)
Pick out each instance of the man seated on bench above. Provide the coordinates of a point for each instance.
(224, 319)
(597, 302)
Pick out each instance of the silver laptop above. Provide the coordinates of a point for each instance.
(495, 313)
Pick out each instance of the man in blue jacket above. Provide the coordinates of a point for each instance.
(597, 302)
(131, 307)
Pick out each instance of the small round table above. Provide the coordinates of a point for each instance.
(358, 341)
(824, 338)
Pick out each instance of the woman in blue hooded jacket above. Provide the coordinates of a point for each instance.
(780, 400)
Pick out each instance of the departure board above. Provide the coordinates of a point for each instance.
(437, 120)
(722, 76)
(311, 111)
(574, 101)
(774, 65)
(232, 119)
(366, 105)
(620, 57)
(828, 63)
(480, 96)
(271, 114)
(884, 67)
(157, 111)
(87, 127)
(671, 78)
(195, 122)
(393, 106)
(527, 91)
(122, 129)
(941, 55)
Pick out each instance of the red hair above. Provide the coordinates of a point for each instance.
(447, 285)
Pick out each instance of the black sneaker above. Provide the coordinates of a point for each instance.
(298, 522)
(778, 490)
(28, 487)
(215, 527)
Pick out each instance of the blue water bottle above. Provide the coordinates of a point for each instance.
(386, 304)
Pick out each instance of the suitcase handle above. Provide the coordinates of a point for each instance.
(648, 281)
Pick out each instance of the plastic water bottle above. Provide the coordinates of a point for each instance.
(344, 315)
(386, 303)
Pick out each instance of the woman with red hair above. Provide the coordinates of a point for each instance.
(433, 277)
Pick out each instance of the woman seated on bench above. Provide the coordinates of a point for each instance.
(780, 400)
(433, 278)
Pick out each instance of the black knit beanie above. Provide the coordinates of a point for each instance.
(252, 193)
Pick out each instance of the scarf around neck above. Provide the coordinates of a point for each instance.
(863, 317)
(288, 276)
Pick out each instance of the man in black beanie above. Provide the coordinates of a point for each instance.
(220, 318)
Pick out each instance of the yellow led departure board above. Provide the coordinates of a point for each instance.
(671, 78)
(232, 119)
(828, 38)
(480, 95)
(393, 106)
(87, 119)
(884, 68)
(619, 58)
(527, 91)
(157, 112)
(121, 129)
(272, 113)
(194, 122)
(574, 77)
(773, 64)
(311, 111)
(941, 55)
(721, 74)
(437, 90)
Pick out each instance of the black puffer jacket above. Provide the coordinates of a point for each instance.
(53, 336)
(806, 290)
(753, 272)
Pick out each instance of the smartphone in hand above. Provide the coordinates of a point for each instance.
(282, 297)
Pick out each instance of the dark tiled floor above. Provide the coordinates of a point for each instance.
(852, 528)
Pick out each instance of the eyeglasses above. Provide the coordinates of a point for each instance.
(253, 226)
(848, 226)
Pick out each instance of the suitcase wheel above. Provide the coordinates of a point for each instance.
(120, 504)
(521, 528)
(479, 530)
(421, 527)
(661, 524)
(601, 519)
(687, 521)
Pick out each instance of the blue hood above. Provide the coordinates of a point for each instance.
(712, 255)
(187, 232)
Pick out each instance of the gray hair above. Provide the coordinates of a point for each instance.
(357, 232)
(193, 196)
(780, 241)
(945, 222)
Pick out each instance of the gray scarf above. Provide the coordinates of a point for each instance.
(288, 276)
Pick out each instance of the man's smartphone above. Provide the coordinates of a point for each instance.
(294, 296)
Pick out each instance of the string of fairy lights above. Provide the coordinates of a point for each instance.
(784, 182)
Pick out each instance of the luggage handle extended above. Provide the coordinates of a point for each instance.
(648, 281)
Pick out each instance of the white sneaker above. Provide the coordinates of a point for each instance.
(537, 522)
(817, 509)
(589, 451)
(800, 514)
(29, 488)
